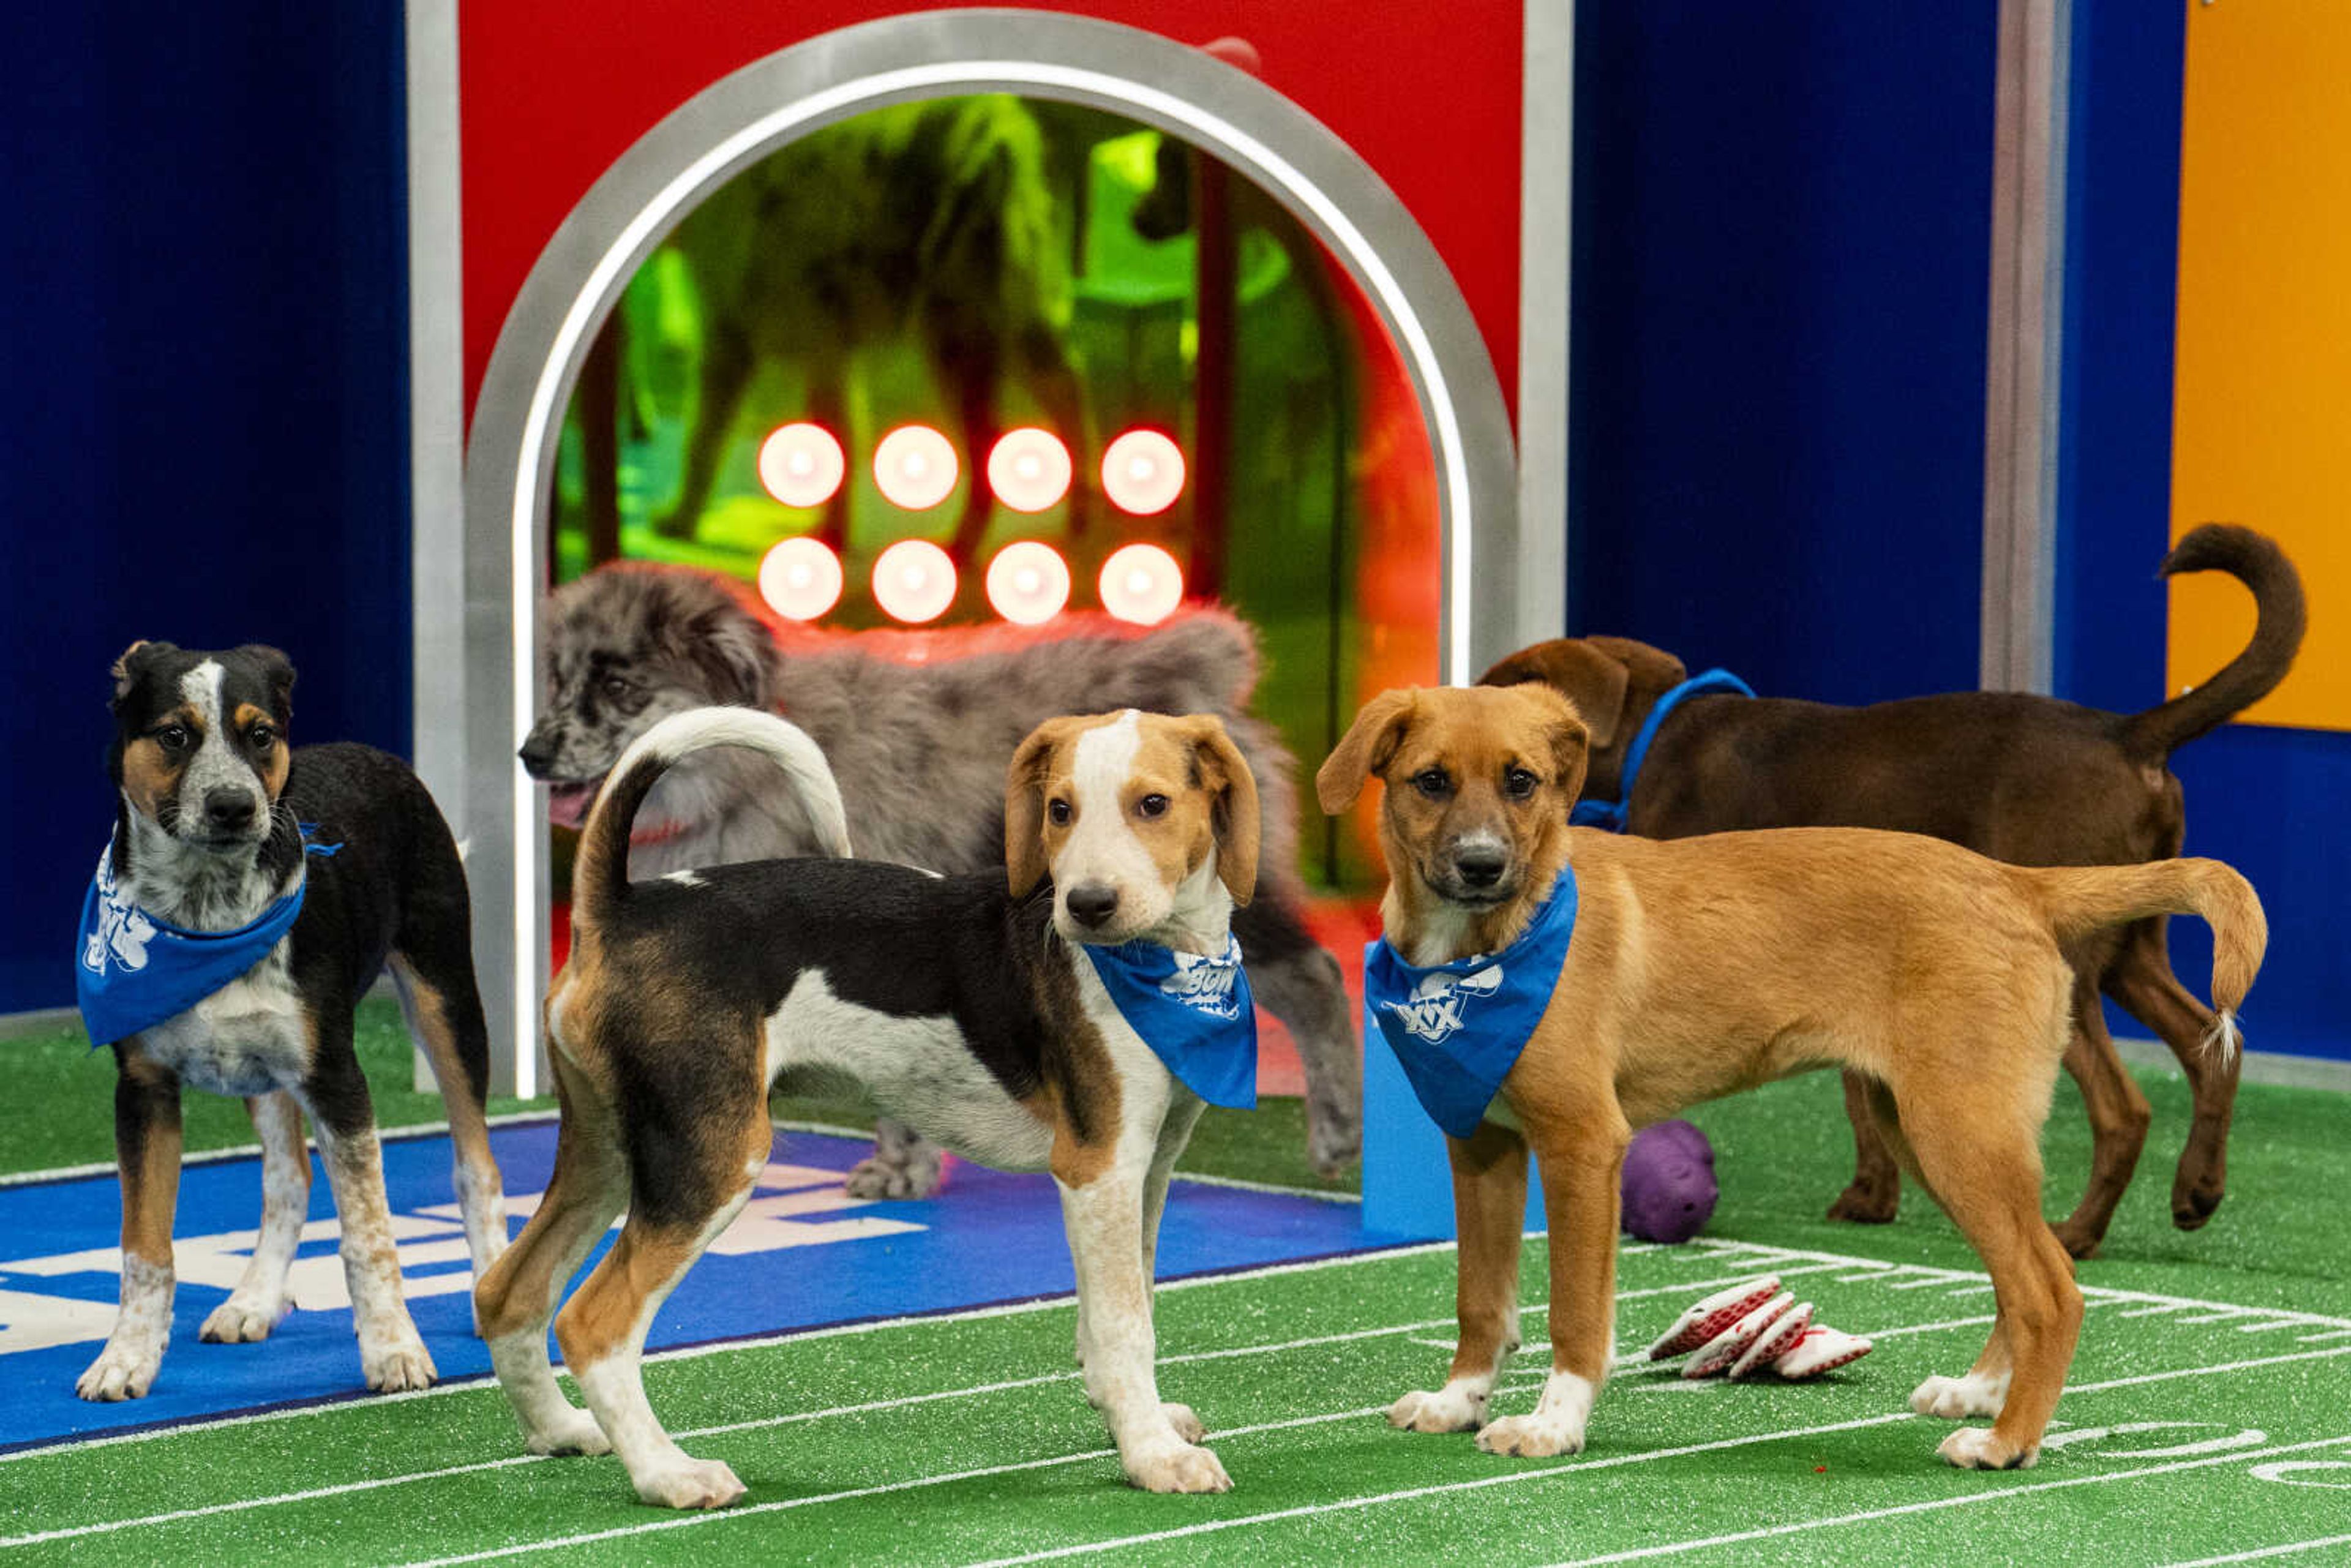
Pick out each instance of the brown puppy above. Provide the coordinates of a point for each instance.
(2023, 778)
(1704, 966)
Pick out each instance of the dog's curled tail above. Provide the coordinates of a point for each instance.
(2080, 900)
(2255, 560)
(599, 874)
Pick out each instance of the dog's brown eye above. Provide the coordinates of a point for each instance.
(261, 735)
(1518, 783)
(172, 738)
(614, 688)
(1151, 806)
(1432, 782)
(1058, 812)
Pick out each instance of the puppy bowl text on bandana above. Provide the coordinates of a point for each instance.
(1457, 1028)
(1610, 814)
(1193, 1012)
(134, 969)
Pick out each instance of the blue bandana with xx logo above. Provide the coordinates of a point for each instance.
(1610, 814)
(135, 969)
(1457, 1028)
(1195, 1012)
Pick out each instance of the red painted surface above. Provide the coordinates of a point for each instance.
(553, 91)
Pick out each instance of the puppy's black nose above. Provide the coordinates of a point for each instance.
(228, 810)
(1091, 903)
(1480, 866)
(537, 753)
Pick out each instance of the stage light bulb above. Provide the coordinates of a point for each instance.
(1142, 472)
(1141, 583)
(914, 581)
(915, 467)
(1028, 582)
(800, 578)
(801, 465)
(1029, 469)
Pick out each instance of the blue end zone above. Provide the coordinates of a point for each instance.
(801, 1255)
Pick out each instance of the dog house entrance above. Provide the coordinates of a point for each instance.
(981, 334)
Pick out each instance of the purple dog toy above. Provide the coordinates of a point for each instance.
(1669, 1189)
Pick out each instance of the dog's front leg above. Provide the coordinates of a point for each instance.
(1489, 1202)
(1581, 1153)
(259, 1299)
(392, 1353)
(1102, 1206)
(147, 1148)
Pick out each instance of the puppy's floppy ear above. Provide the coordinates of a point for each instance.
(1596, 680)
(278, 670)
(1363, 750)
(1228, 779)
(732, 649)
(127, 667)
(1564, 732)
(1024, 805)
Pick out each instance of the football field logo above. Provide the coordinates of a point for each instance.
(1438, 1006)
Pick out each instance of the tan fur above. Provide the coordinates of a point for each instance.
(1704, 966)
(149, 773)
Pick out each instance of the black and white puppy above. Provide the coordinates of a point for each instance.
(209, 866)
(917, 728)
(989, 1011)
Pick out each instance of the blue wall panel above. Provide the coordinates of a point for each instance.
(204, 416)
(1781, 221)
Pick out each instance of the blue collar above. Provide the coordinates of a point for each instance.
(1193, 1012)
(135, 969)
(1457, 1028)
(1610, 814)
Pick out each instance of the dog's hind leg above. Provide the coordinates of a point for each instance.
(259, 1299)
(515, 1298)
(674, 1213)
(2141, 980)
(2119, 1121)
(1876, 1193)
(1299, 983)
(444, 1015)
(392, 1352)
(1490, 1206)
(146, 1148)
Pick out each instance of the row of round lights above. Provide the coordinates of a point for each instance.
(914, 581)
(1029, 469)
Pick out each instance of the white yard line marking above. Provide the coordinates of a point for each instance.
(2326, 1333)
(2151, 1312)
(2288, 1550)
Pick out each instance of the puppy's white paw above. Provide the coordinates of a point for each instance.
(1955, 1398)
(1976, 1449)
(1533, 1437)
(696, 1483)
(397, 1365)
(574, 1432)
(1187, 1426)
(1455, 1407)
(243, 1320)
(121, 1372)
(1178, 1468)
(885, 1176)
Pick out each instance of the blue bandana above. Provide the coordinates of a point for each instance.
(1195, 1013)
(1457, 1028)
(136, 969)
(1610, 814)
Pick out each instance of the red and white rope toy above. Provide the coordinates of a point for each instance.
(1754, 1327)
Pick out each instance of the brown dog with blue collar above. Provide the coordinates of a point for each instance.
(1700, 967)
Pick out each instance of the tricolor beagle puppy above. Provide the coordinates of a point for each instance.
(1074, 1029)
(1553, 987)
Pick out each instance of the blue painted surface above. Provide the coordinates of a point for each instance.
(203, 425)
(1782, 220)
(1407, 1183)
(989, 1238)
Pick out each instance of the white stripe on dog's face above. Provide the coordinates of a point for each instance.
(1137, 855)
(216, 764)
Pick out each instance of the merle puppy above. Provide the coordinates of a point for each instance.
(250, 894)
(920, 746)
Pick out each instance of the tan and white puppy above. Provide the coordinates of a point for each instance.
(963, 1006)
(1700, 967)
